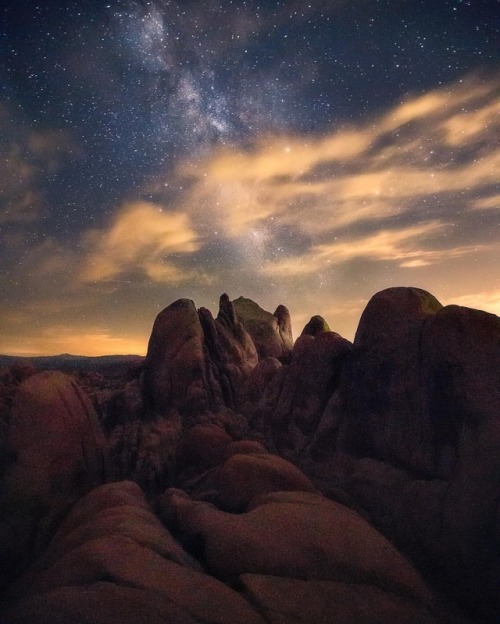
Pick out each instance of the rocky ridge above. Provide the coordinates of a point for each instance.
(236, 476)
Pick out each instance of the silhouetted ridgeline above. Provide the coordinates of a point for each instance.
(70, 363)
(235, 476)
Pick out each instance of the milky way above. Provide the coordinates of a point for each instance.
(305, 153)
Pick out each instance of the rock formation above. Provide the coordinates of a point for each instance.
(55, 453)
(271, 333)
(234, 476)
(195, 363)
(111, 561)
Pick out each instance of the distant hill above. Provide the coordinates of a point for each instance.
(70, 363)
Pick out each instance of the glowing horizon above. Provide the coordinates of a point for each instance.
(294, 180)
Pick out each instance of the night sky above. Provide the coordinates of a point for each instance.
(304, 153)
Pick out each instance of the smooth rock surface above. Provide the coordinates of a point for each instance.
(294, 534)
(242, 477)
(112, 550)
(283, 600)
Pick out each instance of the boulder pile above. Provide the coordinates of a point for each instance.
(236, 476)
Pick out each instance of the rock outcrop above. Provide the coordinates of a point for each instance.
(420, 397)
(234, 476)
(382, 389)
(290, 406)
(282, 600)
(195, 363)
(271, 333)
(56, 452)
(55, 436)
(112, 561)
(245, 475)
(300, 536)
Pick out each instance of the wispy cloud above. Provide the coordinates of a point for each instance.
(487, 203)
(468, 126)
(27, 157)
(390, 182)
(404, 247)
(488, 300)
(142, 238)
(405, 197)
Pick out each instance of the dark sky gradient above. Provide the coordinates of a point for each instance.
(305, 153)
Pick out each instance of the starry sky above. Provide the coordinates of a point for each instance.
(309, 153)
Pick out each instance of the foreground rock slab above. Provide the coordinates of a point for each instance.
(283, 600)
(300, 535)
(112, 561)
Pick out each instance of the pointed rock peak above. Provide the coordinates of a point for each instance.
(284, 319)
(317, 325)
(227, 314)
(208, 324)
(271, 333)
(248, 308)
(205, 314)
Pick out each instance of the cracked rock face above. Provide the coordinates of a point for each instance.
(195, 363)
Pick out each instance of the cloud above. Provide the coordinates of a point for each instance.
(440, 104)
(142, 238)
(414, 109)
(406, 247)
(487, 203)
(237, 190)
(394, 191)
(488, 300)
(469, 125)
(393, 199)
(409, 155)
(28, 157)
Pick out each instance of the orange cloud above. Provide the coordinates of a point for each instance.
(472, 125)
(438, 104)
(283, 156)
(488, 301)
(417, 108)
(487, 203)
(368, 172)
(139, 239)
(401, 246)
